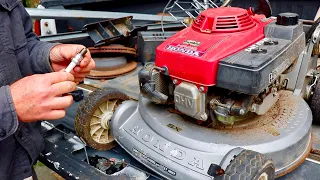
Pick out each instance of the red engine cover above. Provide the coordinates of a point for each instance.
(193, 54)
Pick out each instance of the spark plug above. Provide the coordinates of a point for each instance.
(76, 60)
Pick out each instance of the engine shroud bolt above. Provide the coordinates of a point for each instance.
(242, 112)
(175, 81)
(201, 89)
(204, 117)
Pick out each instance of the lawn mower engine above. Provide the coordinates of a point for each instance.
(225, 98)
(226, 66)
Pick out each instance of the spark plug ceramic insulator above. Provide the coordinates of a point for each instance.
(76, 60)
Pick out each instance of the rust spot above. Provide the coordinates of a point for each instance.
(276, 117)
(220, 172)
(114, 50)
(315, 151)
(171, 110)
(270, 124)
(131, 65)
(123, 29)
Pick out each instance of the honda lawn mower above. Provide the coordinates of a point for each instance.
(226, 98)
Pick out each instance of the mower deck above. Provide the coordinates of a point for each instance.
(178, 148)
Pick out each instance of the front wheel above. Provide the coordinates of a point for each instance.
(249, 165)
(92, 122)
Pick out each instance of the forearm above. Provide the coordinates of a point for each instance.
(9, 119)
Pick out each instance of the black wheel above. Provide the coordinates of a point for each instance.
(315, 104)
(249, 165)
(94, 115)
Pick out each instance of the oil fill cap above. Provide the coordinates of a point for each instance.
(287, 19)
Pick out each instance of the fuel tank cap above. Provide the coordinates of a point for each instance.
(287, 19)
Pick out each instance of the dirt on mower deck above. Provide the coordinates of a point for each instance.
(278, 117)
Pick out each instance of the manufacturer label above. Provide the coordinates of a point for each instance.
(184, 101)
(163, 147)
(153, 162)
(174, 127)
(184, 50)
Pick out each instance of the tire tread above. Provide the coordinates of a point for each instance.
(245, 166)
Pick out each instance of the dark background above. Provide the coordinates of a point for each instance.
(306, 9)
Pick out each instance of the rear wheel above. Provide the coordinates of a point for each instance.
(249, 165)
(92, 122)
(315, 104)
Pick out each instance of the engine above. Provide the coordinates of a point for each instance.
(226, 66)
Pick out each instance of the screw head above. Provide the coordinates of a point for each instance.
(242, 112)
(253, 109)
(201, 89)
(204, 117)
(175, 81)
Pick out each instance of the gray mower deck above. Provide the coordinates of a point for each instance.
(177, 148)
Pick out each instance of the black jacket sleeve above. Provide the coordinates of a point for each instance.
(8, 114)
(39, 62)
(38, 50)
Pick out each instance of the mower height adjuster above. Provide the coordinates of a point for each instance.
(215, 170)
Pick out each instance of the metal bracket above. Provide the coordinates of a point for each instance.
(316, 35)
(309, 62)
(106, 32)
(309, 93)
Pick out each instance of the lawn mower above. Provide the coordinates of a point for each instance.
(226, 98)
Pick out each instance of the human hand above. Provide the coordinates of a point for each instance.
(61, 55)
(40, 97)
